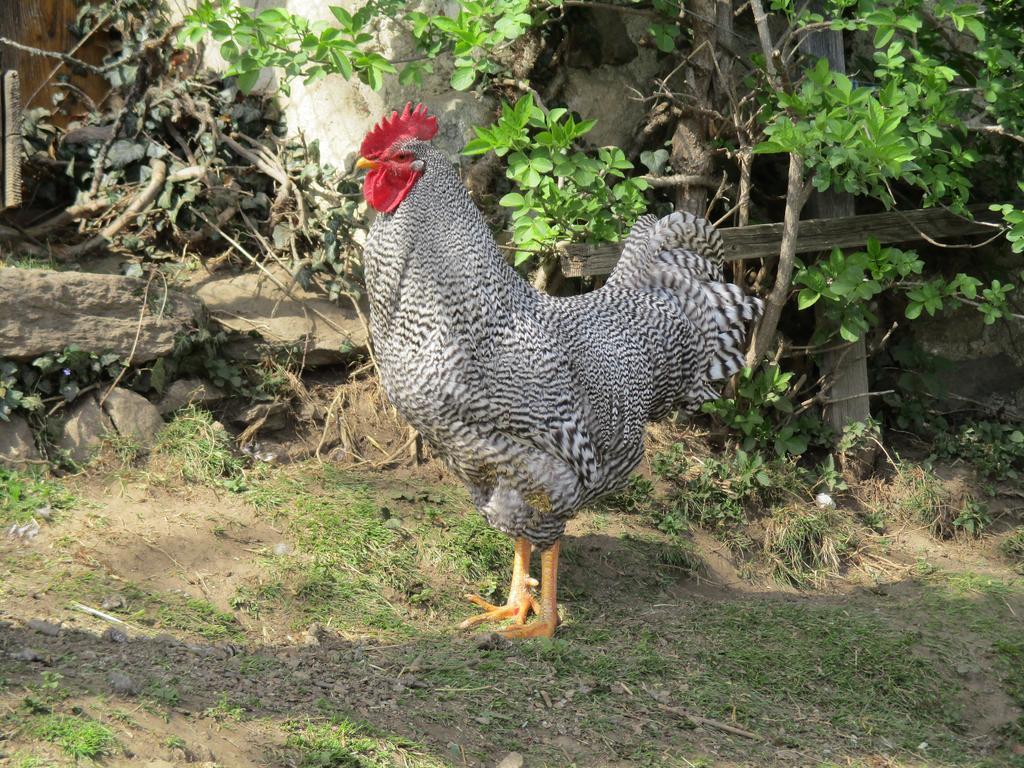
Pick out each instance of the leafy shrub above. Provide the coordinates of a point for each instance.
(995, 450)
(565, 194)
(715, 493)
(764, 414)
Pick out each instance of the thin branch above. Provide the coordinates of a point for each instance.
(680, 180)
(72, 213)
(142, 201)
(712, 723)
(764, 35)
(797, 192)
(996, 130)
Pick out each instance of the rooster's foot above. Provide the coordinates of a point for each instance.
(547, 607)
(544, 626)
(520, 601)
(518, 609)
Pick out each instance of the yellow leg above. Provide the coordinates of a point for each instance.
(547, 616)
(520, 601)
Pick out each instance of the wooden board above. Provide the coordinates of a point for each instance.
(10, 141)
(762, 240)
(47, 24)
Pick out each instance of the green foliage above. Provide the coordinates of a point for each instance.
(78, 737)
(1014, 218)
(11, 395)
(476, 36)
(716, 493)
(844, 284)
(636, 498)
(23, 494)
(564, 194)
(996, 450)
(62, 376)
(937, 70)
(1012, 548)
(916, 383)
(765, 415)
(251, 40)
(910, 123)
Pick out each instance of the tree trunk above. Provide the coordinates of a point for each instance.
(690, 151)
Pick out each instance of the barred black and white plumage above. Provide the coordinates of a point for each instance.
(540, 403)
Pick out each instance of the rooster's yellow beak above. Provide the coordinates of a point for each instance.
(362, 162)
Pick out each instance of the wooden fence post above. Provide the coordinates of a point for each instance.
(845, 369)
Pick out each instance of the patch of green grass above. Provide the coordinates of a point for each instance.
(254, 600)
(176, 742)
(366, 559)
(125, 449)
(166, 610)
(195, 448)
(469, 546)
(23, 494)
(635, 499)
(915, 493)
(77, 736)
(19, 760)
(758, 660)
(199, 617)
(251, 664)
(715, 493)
(1012, 548)
(1011, 653)
(224, 710)
(342, 743)
(805, 543)
(163, 692)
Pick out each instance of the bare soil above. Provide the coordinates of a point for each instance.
(655, 664)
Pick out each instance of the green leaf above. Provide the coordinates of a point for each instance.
(247, 80)
(343, 16)
(807, 298)
(463, 78)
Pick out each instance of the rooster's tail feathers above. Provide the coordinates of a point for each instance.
(681, 242)
(679, 258)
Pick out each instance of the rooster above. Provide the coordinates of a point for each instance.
(538, 403)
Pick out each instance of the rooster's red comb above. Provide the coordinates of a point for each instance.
(413, 123)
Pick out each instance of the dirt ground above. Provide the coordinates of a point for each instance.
(307, 617)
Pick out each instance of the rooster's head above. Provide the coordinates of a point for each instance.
(394, 168)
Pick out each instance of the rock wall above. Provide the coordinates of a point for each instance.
(43, 310)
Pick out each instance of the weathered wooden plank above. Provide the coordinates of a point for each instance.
(762, 240)
(48, 24)
(10, 141)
